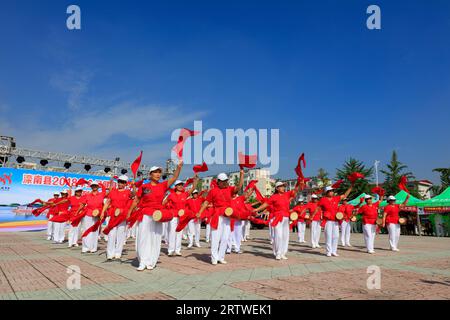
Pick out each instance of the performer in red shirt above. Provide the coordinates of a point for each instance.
(315, 217)
(390, 218)
(347, 210)
(220, 197)
(93, 205)
(176, 201)
(280, 205)
(60, 217)
(149, 198)
(369, 213)
(301, 222)
(75, 203)
(329, 205)
(50, 212)
(239, 204)
(117, 204)
(194, 204)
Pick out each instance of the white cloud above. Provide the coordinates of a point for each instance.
(75, 84)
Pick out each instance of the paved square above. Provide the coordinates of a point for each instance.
(34, 268)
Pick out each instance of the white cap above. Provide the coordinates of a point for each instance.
(95, 183)
(195, 191)
(154, 168)
(65, 192)
(178, 182)
(222, 177)
(78, 189)
(329, 188)
(279, 184)
(367, 196)
(391, 198)
(56, 194)
(123, 178)
(314, 196)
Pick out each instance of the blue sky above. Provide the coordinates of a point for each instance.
(139, 69)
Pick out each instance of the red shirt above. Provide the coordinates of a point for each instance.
(221, 198)
(299, 209)
(62, 207)
(75, 204)
(369, 213)
(347, 210)
(330, 207)
(53, 209)
(392, 211)
(311, 207)
(194, 204)
(177, 201)
(94, 202)
(280, 203)
(151, 196)
(120, 199)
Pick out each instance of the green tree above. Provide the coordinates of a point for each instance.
(361, 185)
(445, 180)
(394, 171)
(322, 179)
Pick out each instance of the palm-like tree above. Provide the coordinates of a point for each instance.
(322, 178)
(445, 180)
(361, 185)
(394, 171)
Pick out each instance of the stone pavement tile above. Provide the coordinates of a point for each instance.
(351, 284)
(149, 296)
(442, 264)
(8, 296)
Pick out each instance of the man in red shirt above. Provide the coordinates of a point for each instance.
(194, 204)
(301, 223)
(329, 205)
(347, 210)
(315, 216)
(220, 197)
(369, 213)
(60, 217)
(51, 211)
(390, 218)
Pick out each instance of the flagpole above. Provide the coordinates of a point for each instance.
(376, 170)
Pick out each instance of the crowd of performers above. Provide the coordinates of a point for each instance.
(160, 210)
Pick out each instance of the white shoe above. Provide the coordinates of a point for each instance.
(395, 249)
(223, 262)
(76, 245)
(371, 252)
(277, 258)
(284, 257)
(198, 245)
(84, 251)
(109, 258)
(207, 241)
(178, 253)
(189, 245)
(313, 246)
(349, 245)
(318, 246)
(335, 254)
(141, 268)
(343, 244)
(118, 256)
(149, 268)
(93, 251)
(49, 238)
(171, 254)
(328, 254)
(70, 246)
(214, 262)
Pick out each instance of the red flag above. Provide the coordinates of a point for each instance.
(66, 182)
(213, 184)
(35, 201)
(337, 184)
(136, 164)
(378, 190)
(402, 184)
(200, 168)
(247, 161)
(188, 182)
(298, 168)
(139, 183)
(251, 185)
(355, 176)
(81, 182)
(184, 135)
(259, 196)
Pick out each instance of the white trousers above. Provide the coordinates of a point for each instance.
(394, 234)
(369, 236)
(230, 241)
(116, 240)
(246, 229)
(74, 233)
(165, 232)
(331, 236)
(174, 237)
(131, 232)
(301, 226)
(208, 232)
(281, 238)
(50, 227)
(238, 235)
(90, 242)
(219, 239)
(345, 233)
(194, 232)
(148, 241)
(58, 231)
(271, 231)
(315, 233)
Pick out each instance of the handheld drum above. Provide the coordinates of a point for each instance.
(229, 211)
(293, 216)
(117, 212)
(180, 212)
(339, 215)
(402, 221)
(95, 212)
(162, 216)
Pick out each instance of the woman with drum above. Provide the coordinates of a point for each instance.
(315, 216)
(329, 205)
(220, 197)
(149, 200)
(369, 213)
(347, 210)
(280, 205)
(301, 221)
(117, 204)
(392, 220)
